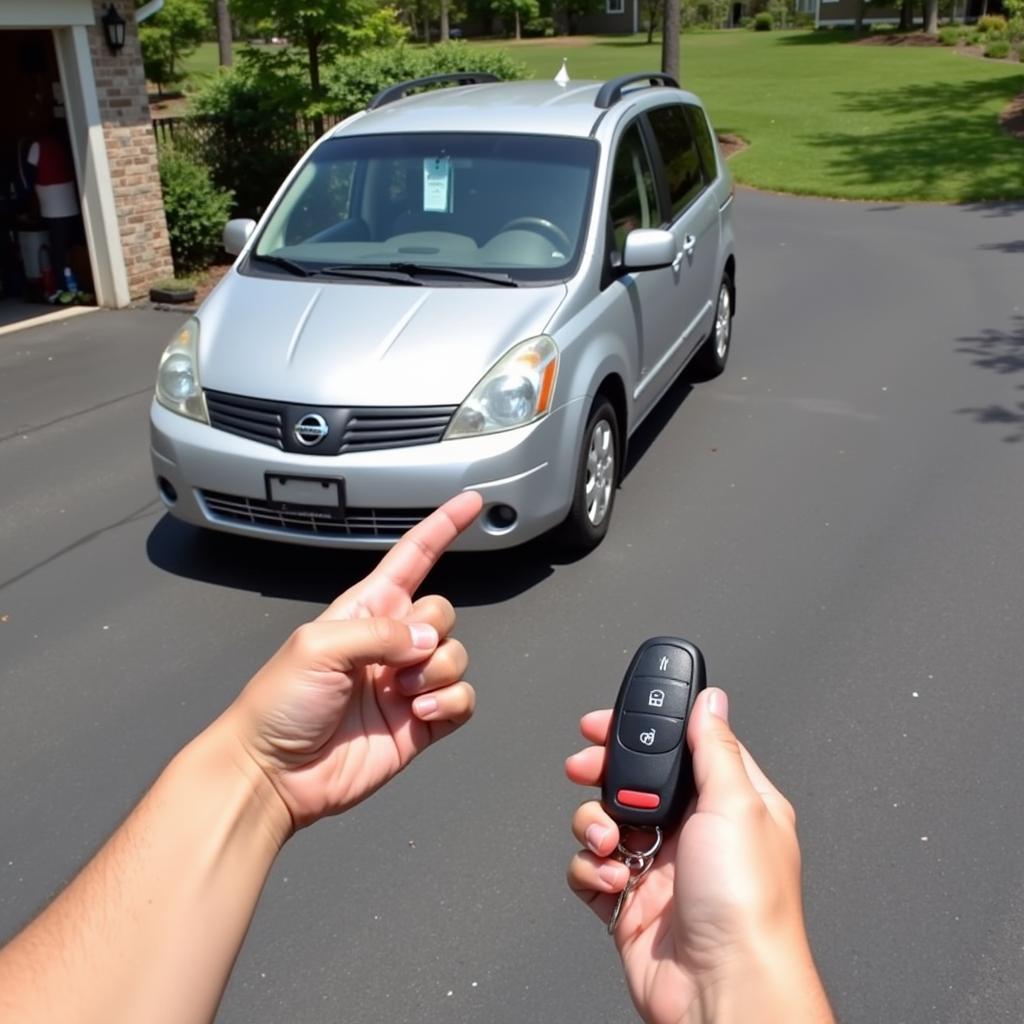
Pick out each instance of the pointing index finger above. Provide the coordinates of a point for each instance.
(407, 564)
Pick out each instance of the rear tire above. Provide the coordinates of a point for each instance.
(597, 477)
(710, 360)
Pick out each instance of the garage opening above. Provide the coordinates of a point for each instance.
(44, 261)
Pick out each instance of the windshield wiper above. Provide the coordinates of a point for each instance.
(282, 261)
(378, 272)
(471, 275)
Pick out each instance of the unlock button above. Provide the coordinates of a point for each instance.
(649, 734)
(657, 697)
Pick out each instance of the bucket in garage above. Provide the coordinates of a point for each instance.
(32, 244)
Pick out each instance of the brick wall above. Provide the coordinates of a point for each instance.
(131, 151)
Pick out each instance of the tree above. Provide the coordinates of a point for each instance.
(169, 36)
(325, 29)
(670, 39)
(224, 33)
(651, 9)
(931, 17)
(517, 12)
(445, 30)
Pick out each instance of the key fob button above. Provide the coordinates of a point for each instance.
(660, 661)
(657, 697)
(649, 734)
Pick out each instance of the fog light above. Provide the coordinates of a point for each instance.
(167, 490)
(501, 517)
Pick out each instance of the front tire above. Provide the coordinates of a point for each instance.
(710, 361)
(597, 477)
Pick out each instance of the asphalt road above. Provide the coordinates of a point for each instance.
(836, 521)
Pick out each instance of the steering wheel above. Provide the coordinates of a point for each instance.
(553, 231)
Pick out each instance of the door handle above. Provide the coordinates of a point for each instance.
(677, 262)
(689, 244)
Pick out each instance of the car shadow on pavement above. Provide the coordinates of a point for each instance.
(648, 431)
(299, 573)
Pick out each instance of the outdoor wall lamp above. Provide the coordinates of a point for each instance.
(113, 28)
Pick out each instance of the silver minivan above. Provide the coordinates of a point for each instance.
(482, 285)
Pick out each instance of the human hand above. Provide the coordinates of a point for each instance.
(715, 931)
(352, 697)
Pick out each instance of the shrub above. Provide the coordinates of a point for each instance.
(352, 83)
(763, 22)
(973, 38)
(803, 19)
(992, 23)
(196, 211)
(1015, 29)
(949, 36)
(245, 129)
(997, 49)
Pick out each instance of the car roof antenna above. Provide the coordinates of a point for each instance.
(562, 78)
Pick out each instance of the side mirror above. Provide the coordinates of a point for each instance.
(649, 249)
(236, 234)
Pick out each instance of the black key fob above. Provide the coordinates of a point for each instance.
(648, 776)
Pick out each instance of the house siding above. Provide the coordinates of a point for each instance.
(844, 12)
(603, 23)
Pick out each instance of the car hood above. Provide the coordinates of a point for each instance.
(342, 343)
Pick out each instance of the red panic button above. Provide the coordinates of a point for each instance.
(636, 798)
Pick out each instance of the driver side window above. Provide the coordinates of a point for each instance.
(633, 200)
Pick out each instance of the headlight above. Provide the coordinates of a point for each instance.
(177, 380)
(516, 391)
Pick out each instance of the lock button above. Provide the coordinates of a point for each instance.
(649, 734)
(657, 697)
(660, 661)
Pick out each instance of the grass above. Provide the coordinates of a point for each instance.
(824, 116)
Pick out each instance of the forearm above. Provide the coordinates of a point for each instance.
(150, 928)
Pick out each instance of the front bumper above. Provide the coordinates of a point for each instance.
(219, 481)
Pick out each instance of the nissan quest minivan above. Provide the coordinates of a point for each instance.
(486, 285)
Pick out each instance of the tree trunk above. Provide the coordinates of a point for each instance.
(931, 17)
(651, 9)
(861, 6)
(906, 16)
(224, 33)
(670, 39)
(444, 21)
(313, 49)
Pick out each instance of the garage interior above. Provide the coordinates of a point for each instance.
(35, 149)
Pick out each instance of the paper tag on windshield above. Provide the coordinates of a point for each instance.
(437, 184)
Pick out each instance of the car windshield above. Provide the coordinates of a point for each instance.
(502, 204)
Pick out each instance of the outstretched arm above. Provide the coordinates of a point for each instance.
(149, 930)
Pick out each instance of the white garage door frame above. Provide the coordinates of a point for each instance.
(68, 20)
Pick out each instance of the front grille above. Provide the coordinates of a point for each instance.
(368, 429)
(359, 429)
(386, 523)
(247, 417)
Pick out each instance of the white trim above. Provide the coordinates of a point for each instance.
(620, 9)
(89, 148)
(47, 14)
(148, 10)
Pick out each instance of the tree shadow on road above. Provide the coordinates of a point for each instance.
(932, 131)
(1002, 352)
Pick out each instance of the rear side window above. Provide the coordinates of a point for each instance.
(679, 154)
(705, 146)
(633, 201)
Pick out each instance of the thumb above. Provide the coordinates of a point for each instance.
(343, 645)
(721, 780)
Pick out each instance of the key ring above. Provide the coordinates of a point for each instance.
(639, 863)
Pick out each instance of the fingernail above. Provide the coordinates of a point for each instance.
(424, 706)
(718, 704)
(611, 875)
(409, 680)
(423, 636)
(595, 836)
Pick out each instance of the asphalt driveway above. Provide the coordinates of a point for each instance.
(836, 521)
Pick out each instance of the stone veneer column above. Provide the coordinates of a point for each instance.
(131, 151)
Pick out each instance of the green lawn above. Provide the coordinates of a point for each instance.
(826, 117)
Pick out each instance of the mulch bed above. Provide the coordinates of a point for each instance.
(1012, 118)
(897, 39)
(731, 144)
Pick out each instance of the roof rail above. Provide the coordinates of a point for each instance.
(611, 92)
(400, 91)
